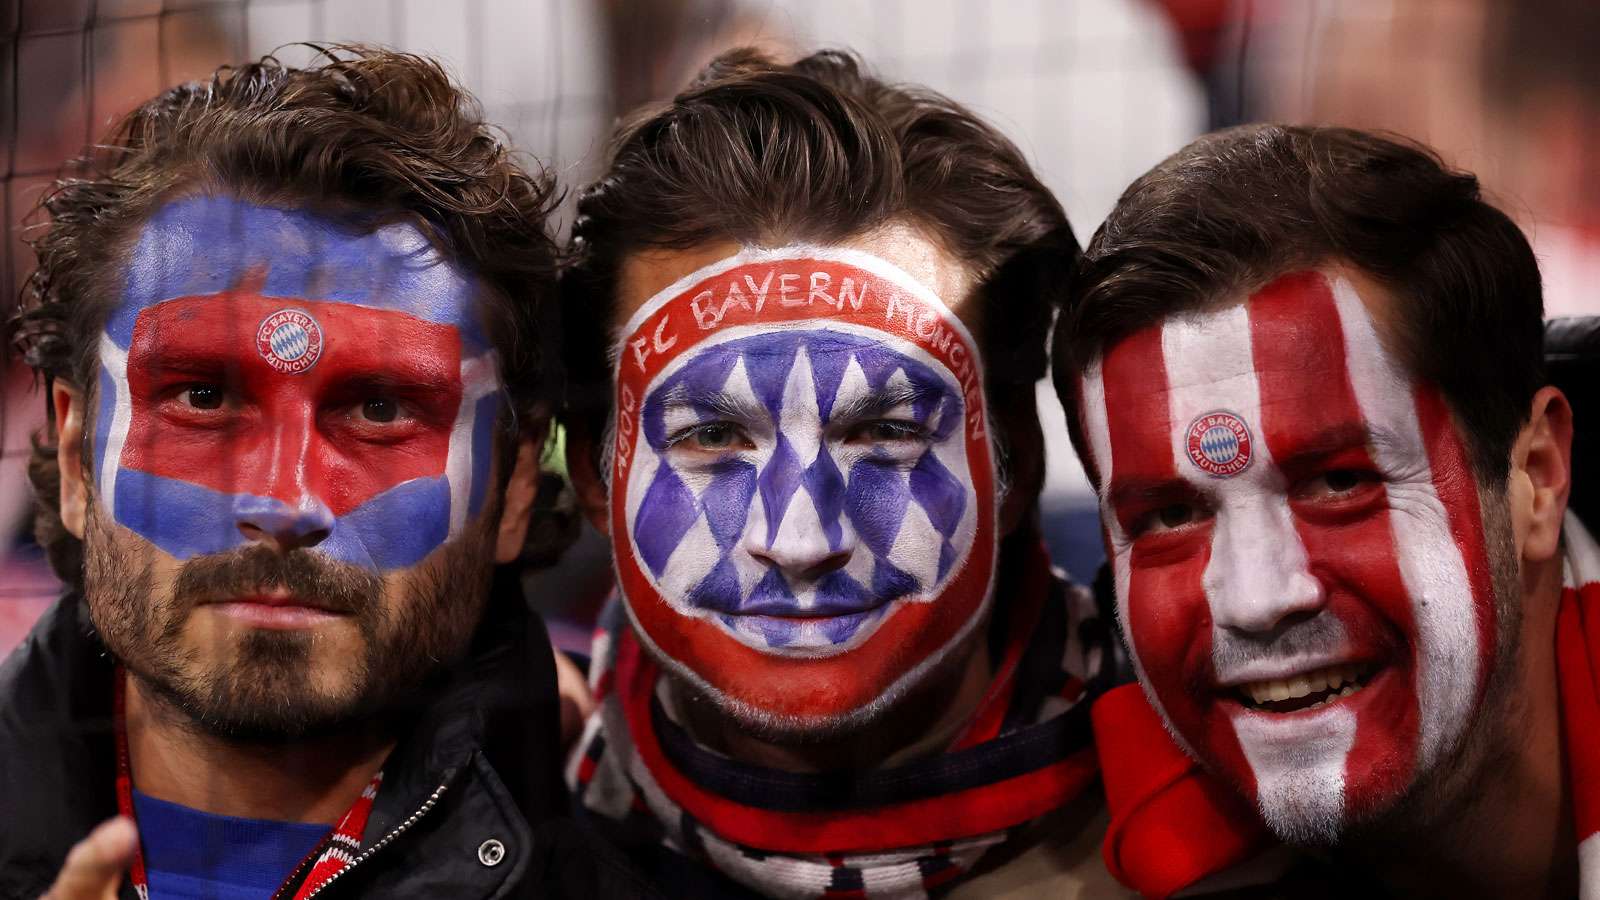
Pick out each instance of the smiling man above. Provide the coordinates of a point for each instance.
(294, 323)
(805, 319)
(1304, 367)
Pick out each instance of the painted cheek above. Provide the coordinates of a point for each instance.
(1457, 489)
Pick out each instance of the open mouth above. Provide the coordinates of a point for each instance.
(1307, 690)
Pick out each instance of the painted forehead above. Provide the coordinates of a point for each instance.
(1295, 335)
(208, 245)
(824, 371)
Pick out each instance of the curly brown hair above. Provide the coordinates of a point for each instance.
(368, 136)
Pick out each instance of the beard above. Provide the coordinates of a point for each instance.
(269, 685)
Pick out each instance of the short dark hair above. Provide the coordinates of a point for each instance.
(1235, 209)
(761, 152)
(369, 136)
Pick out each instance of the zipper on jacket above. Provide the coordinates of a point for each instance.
(395, 832)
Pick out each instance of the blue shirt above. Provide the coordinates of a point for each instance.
(193, 855)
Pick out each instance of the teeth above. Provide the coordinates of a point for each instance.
(1342, 677)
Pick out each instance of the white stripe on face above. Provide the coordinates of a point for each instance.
(1430, 561)
(479, 379)
(114, 361)
(1258, 572)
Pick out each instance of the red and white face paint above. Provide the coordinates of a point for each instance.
(1298, 549)
(802, 487)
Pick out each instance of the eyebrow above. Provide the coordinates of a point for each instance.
(1148, 491)
(1337, 439)
(718, 403)
(877, 402)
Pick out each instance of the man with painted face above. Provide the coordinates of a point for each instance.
(1304, 368)
(806, 314)
(294, 326)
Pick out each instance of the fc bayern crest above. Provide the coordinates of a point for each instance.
(1220, 444)
(290, 341)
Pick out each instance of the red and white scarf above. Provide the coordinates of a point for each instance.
(327, 859)
(1172, 826)
(896, 833)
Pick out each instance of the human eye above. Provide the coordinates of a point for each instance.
(887, 431)
(380, 409)
(1338, 485)
(202, 396)
(1169, 518)
(711, 437)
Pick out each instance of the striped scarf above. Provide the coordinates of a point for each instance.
(1173, 827)
(891, 833)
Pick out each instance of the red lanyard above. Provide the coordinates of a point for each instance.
(332, 855)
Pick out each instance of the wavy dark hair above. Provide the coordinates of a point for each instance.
(366, 136)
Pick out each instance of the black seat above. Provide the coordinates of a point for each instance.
(1572, 352)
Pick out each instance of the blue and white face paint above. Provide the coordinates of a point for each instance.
(802, 478)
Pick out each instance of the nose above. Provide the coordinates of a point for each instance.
(802, 557)
(269, 521)
(1259, 577)
(804, 544)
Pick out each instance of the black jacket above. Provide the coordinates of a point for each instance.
(479, 762)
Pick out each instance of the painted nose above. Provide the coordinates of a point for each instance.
(1259, 578)
(270, 521)
(804, 545)
(285, 511)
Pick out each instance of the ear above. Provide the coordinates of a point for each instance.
(517, 503)
(1541, 475)
(68, 402)
(583, 467)
(1017, 414)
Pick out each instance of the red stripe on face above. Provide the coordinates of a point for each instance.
(1457, 488)
(285, 435)
(1169, 619)
(1313, 425)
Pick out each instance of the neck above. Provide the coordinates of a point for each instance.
(1510, 832)
(923, 723)
(313, 781)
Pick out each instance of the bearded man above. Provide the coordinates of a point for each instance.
(805, 318)
(294, 326)
(1304, 368)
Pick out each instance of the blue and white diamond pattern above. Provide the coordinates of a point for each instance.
(714, 538)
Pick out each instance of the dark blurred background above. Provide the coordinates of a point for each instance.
(1094, 91)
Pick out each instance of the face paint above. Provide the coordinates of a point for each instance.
(1297, 546)
(803, 501)
(267, 369)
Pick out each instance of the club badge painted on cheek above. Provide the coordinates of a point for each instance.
(1297, 546)
(269, 372)
(803, 501)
